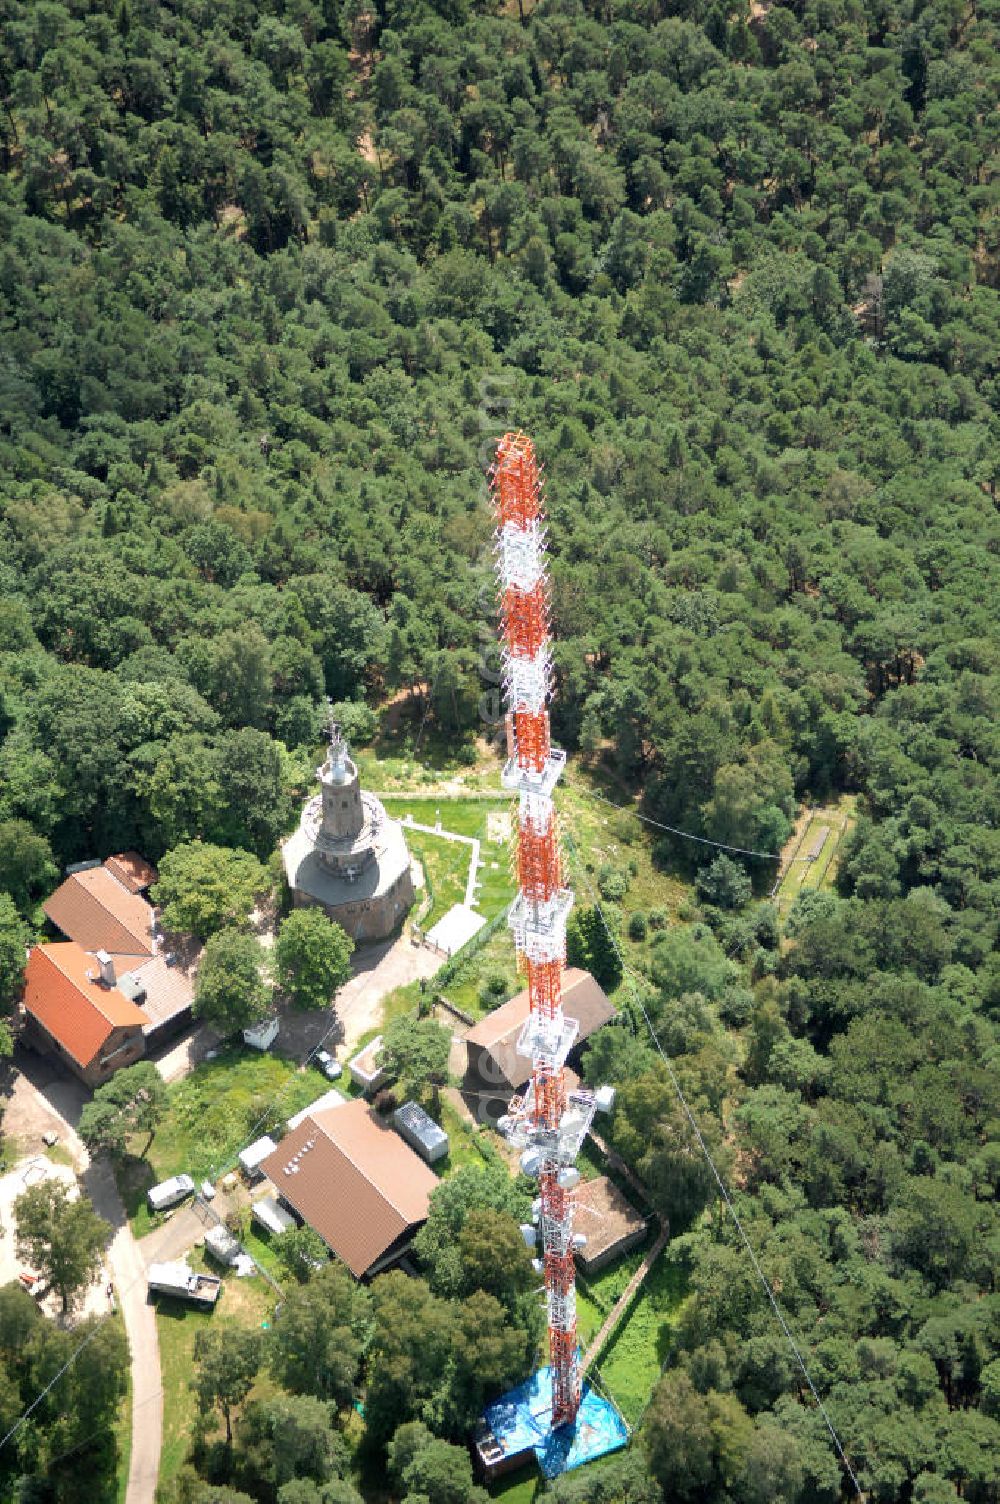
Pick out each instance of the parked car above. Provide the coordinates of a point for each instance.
(169, 1192)
(331, 1068)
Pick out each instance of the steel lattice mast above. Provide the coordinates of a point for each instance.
(548, 1123)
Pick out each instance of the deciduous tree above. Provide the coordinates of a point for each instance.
(312, 958)
(202, 887)
(230, 990)
(133, 1101)
(415, 1053)
(318, 1344)
(61, 1236)
(226, 1364)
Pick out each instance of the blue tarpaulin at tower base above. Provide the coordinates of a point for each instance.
(521, 1421)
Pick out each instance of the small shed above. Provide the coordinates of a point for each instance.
(221, 1244)
(364, 1069)
(608, 1221)
(271, 1216)
(261, 1036)
(421, 1132)
(254, 1155)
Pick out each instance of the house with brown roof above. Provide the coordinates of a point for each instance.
(74, 1011)
(100, 913)
(163, 987)
(495, 1069)
(350, 1176)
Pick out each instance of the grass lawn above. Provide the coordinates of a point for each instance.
(605, 1287)
(261, 1248)
(210, 1116)
(529, 1487)
(446, 872)
(461, 1142)
(402, 1002)
(588, 1317)
(617, 838)
(463, 817)
(243, 1302)
(524, 1487)
(630, 1366)
(446, 863)
(411, 751)
(496, 957)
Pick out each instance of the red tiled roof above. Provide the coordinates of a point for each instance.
(583, 999)
(354, 1180)
(132, 870)
(74, 1009)
(96, 911)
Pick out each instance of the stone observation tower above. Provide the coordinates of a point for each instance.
(347, 857)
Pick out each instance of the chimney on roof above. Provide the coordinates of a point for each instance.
(107, 966)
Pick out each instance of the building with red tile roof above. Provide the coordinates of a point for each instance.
(351, 1177)
(72, 1013)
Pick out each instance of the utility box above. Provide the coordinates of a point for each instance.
(421, 1132)
(261, 1036)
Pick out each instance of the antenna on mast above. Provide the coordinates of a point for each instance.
(548, 1123)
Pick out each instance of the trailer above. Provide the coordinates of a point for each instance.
(183, 1283)
(221, 1244)
(420, 1131)
(252, 1157)
(261, 1036)
(272, 1216)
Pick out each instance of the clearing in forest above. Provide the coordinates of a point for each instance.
(811, 859)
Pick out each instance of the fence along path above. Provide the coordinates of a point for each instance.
(624, 1300)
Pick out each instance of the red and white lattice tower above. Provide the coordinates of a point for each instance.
(548, 1123)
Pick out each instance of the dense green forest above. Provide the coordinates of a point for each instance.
(272, 276)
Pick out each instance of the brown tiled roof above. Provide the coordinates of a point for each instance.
(132, 871)
(96, 911)
(73, 1008)
(583, 999)
(605, 1216)
(354, 1180)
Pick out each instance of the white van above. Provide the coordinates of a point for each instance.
(169, 1192)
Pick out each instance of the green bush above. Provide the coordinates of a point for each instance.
(613, 883)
